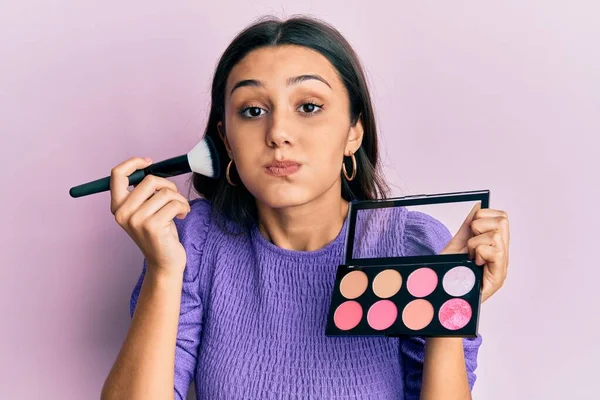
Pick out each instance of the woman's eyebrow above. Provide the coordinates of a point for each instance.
(291, 81)
(301, 78)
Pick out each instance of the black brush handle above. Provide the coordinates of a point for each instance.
(173, 166)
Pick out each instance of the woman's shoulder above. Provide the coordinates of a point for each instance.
(205, 220)
(193, 228)
(200, 208)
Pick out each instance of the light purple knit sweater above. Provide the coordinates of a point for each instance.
(253, 316)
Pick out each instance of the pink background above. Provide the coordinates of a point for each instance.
(502, 95)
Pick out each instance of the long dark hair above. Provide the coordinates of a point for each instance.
(236, 203)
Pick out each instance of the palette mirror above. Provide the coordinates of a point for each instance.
(376, 227)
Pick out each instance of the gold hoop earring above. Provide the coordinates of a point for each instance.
(227, 174)
(349, 178)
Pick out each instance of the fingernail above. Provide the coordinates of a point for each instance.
(148, 159)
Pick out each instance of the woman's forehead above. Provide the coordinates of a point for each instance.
(277, 64)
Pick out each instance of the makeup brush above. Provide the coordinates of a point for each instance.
(202, 159)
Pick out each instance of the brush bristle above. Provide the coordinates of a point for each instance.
(203, 158)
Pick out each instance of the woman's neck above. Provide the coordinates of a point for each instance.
(308, 227)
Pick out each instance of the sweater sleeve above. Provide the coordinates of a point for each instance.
(425, 235)
(193, 231)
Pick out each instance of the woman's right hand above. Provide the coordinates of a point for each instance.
(147, 212)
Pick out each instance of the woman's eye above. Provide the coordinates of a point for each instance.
(310, 108)
(252, 112)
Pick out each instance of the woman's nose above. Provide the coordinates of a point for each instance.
(278, 132)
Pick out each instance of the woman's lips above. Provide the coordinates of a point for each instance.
(282, 170)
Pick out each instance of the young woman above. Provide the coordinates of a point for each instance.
(235, 286)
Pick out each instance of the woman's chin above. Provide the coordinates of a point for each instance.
(281, 197)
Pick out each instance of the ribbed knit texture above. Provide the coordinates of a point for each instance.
(253, 315)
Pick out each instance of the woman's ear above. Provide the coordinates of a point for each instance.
(223, 137)
(355, 137)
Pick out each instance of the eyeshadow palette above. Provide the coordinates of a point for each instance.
(416, 295)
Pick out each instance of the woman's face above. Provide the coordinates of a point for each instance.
(286, 103)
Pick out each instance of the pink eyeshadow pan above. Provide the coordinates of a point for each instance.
(422, 282)
(382, 315)
(455, 314)
(348, 315)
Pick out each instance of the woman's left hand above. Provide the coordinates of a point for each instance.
(485, 236)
